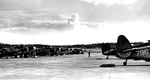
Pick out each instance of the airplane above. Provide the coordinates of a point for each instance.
(107, 50)
(9, 52)
(124, 50)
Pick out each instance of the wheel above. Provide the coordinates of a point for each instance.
(124, 63)
(107, 57)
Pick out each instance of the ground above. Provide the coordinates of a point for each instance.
(73, 67)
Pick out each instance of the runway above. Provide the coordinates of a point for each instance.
(73, 67)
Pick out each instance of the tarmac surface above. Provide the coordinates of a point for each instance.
(73, 67)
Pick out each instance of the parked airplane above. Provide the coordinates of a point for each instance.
(124, 50)
(107, 50)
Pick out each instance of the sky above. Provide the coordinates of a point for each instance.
(67, 22)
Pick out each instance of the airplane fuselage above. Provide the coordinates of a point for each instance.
(142, 53)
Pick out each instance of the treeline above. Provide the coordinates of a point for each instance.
(94, 45)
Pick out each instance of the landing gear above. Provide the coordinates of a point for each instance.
(125, 63)
(107, 57)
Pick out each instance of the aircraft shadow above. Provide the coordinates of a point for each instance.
(107, 59)
(135, 65)
(113, 65)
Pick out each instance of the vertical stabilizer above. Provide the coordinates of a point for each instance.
(105, 47)
(123, 43)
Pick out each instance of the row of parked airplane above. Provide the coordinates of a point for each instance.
(125, 50)
(32, 51)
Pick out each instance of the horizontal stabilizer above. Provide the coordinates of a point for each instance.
(105, 47)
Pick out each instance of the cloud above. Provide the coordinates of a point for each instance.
(56, 9)
(134, 30)
(26, 22)
(35, 27)
(75, 21)
(55, 32)
(110, 2)
(17, 30)
(20, 4)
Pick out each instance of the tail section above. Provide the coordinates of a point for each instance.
(123, 47)
(105, 48)
(123, 43)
